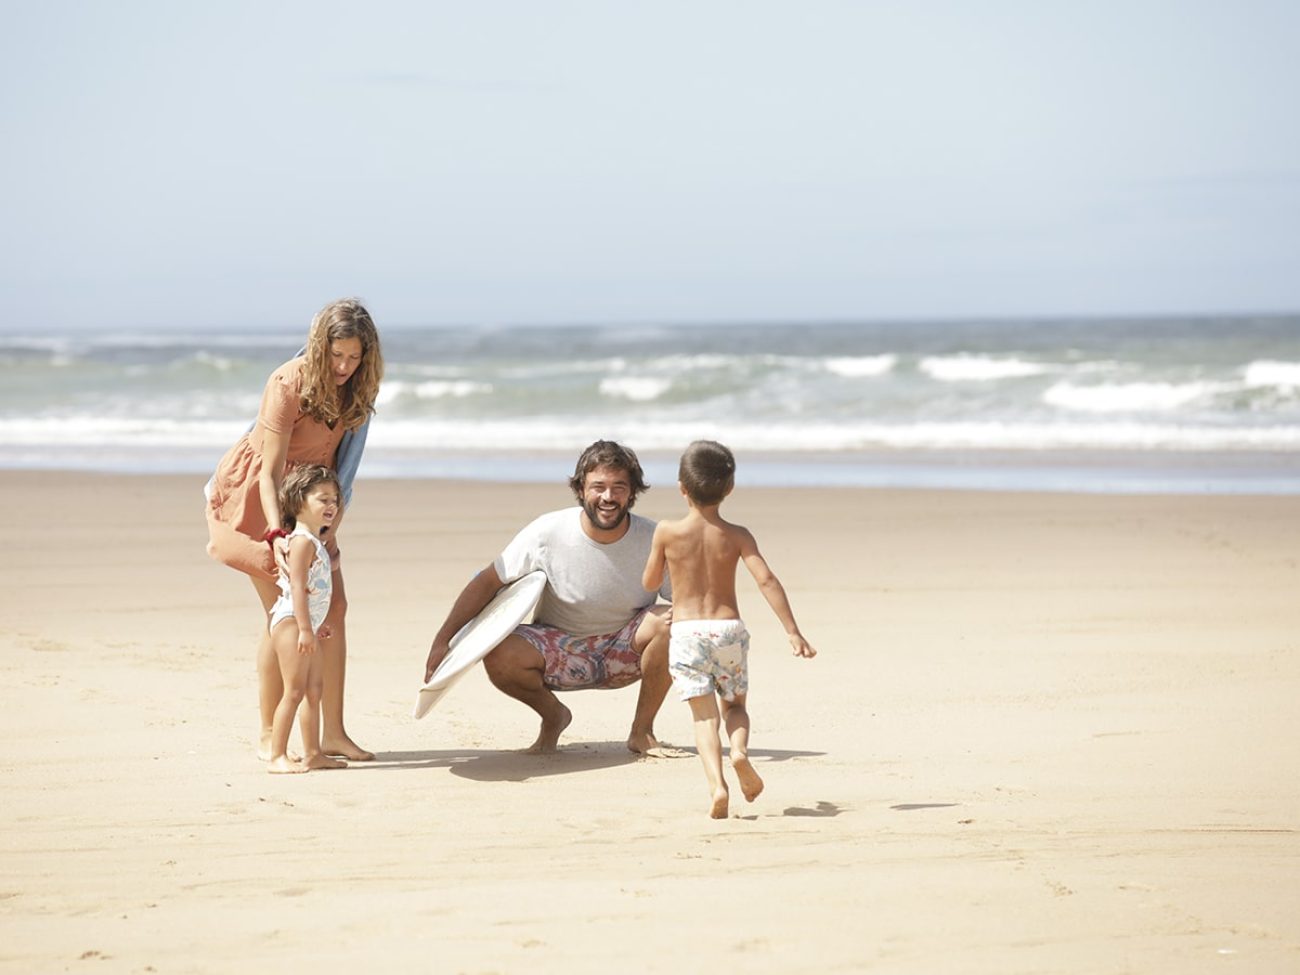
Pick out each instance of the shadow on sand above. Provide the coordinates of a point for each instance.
(517, 766)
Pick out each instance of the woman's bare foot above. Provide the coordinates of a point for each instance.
(264, 750)
(284, 765)
(323, 762)
(751, 785)
(548, 739)
(719, 808)
(345, 747)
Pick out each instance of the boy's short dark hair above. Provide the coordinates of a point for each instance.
(707, 471)
(297, 485)
(607, 453)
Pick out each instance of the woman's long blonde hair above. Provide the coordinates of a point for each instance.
(354, 401)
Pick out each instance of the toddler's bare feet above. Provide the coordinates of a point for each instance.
(284, 765)
(719, 808)
(323, 762)
(751, 785)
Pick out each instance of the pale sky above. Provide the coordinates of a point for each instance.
(187, 164)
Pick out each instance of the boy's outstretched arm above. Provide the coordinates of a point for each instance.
(770, 586)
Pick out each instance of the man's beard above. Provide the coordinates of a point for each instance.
(594, 515)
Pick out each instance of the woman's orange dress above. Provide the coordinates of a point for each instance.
(236, 521)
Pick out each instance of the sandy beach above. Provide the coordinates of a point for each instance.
(1045, 733)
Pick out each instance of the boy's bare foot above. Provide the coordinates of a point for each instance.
(548, 739)
(750, 782)
(323, 762)
(641, 742)
(719, 808)
(345, 747)
(284, 765)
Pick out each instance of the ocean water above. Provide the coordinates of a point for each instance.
(1185, 405)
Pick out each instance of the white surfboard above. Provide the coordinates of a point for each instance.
(476, 639)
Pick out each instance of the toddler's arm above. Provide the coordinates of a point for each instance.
(770, 586)
(301, 554)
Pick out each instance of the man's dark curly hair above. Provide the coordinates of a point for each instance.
(606, 453)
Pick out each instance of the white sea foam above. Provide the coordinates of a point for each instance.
(640, 389)
(218, 362)
(430, 389)
(979, 368)
(1130, 397)
(563, 432)
(455, 388)
(1268, 372)
(856, 367)
(685, 362)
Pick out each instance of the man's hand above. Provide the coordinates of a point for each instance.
(437, 653)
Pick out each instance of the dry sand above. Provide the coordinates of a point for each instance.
(1045, 733)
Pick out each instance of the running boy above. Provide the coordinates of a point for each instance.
(709, 644)
(309, 504)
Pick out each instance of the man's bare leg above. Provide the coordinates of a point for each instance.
(736, 716)
(334, 739)
(516, 668)
(651, 640)
(704, 709)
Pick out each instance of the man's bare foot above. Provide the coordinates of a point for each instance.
(323, 762)
(642, 742)
(719, 808)
(284, 765)
(345, 747)
(548, 739)
(750, 782)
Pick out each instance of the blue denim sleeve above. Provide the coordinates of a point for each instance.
(348, 459)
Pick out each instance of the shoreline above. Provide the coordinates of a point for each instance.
(1223, 473)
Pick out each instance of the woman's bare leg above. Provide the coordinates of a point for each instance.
(335, 739)
(270, 685)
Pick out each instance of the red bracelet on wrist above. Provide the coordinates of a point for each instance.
(272, 534)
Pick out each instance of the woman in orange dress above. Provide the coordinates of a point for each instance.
(308, 405)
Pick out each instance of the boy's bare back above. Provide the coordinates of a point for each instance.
(702, 551)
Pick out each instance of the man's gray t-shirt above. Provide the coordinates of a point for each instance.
(591, 588)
